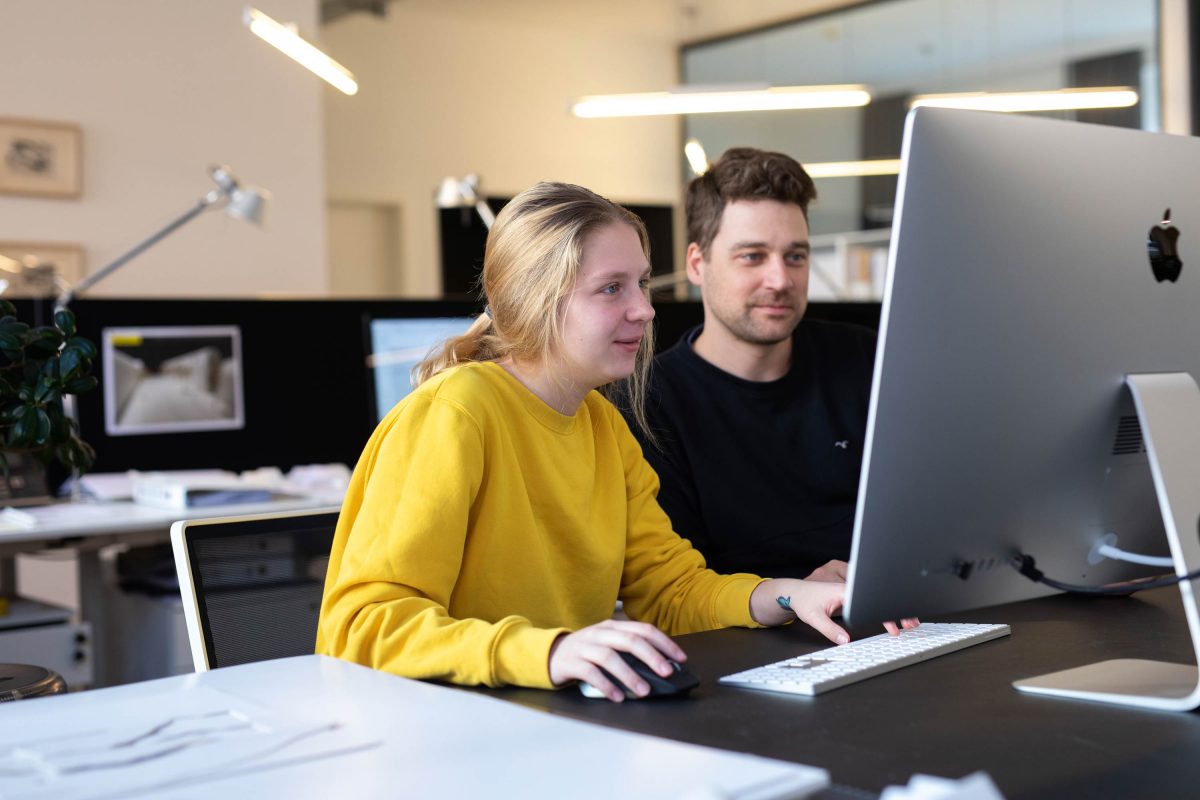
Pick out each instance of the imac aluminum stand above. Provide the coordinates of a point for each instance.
(1168, 407)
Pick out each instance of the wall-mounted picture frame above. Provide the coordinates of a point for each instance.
(41, 159)
(172, 379)
(40, 269)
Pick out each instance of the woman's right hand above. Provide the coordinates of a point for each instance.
(582, 654)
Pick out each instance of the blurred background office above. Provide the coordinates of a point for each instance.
(112, 113)
(160, 90)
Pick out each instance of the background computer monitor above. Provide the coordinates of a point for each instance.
(395, 345)
(1019, 295)
(305, 389)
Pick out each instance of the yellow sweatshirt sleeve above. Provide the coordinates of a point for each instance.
(397, 555)
(665, 580)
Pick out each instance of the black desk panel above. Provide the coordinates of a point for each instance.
(950, 716)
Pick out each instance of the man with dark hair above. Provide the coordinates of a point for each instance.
(759, 417)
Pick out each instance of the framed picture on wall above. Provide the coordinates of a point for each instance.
(172, 379)
(39, 269)
(40, 159)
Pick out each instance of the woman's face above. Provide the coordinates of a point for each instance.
(606, 313)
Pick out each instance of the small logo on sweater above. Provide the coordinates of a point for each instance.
(844, 444)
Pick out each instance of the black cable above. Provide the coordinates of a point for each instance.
(1025, 565)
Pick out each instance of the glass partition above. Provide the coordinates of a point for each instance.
(899, 49)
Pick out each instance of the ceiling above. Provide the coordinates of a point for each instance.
(682, 21)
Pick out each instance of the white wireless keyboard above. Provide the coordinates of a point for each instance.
(814, 673)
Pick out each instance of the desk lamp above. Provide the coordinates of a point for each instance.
(238, 201)
(465, 193)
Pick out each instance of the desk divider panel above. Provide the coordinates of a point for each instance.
(306, 385)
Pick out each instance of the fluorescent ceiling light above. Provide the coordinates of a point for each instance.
(1054, 100)
(697, 101)
(853, 169)
(294, 47)
(696, 157)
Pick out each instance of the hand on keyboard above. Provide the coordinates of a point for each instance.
(812, 601)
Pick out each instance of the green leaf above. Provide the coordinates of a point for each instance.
(37, 365)
(24, 430)
(80, 385)
(50, 334)
(13, 327)
(64, 318)
(85, 347)
(69, 363)
(42, 434)
(40, 348)
(44, 391)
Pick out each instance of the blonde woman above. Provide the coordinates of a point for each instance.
(500, 510)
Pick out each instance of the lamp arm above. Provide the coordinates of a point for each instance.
(485, 213)
(71, 293)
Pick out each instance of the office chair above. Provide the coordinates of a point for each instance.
(252, 585)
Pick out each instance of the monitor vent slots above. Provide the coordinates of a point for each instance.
(1129, 437)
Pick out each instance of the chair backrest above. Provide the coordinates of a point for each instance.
(252, 585)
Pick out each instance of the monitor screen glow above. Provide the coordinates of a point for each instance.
(397, 345)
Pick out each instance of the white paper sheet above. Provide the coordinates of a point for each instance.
(187, 737)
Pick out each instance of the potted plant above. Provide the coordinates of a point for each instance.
(39, 368)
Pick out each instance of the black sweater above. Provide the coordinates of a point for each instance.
(762, 477)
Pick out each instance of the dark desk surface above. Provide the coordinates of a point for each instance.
(950, 716)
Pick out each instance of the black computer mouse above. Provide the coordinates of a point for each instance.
(681, 681)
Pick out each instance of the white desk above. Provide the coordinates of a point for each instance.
(105, 524)
(399, 738)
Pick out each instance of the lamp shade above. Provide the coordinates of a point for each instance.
(249, 203)
(464, 193)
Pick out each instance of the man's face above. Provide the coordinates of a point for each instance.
(755, 281)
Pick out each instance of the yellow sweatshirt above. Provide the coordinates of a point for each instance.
(480, 524)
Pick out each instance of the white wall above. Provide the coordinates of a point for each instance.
(450, 87)
(163, 89)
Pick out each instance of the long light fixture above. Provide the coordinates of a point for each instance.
(697, 159)
(1015, 102)
(853, 169)
(292, 45)
(715, 101)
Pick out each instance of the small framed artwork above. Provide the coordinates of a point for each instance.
(172, 379)
(39, 269)
(40, 159)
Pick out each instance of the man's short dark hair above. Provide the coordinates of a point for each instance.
(743, 173)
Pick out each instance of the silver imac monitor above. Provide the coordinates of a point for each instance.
(1034, 389)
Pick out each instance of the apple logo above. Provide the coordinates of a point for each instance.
(1164, 257)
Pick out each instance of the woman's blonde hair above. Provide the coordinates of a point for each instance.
(534, 251)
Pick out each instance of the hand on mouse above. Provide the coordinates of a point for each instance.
(582, 654)
(812, 601)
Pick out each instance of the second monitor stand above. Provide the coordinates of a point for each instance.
(1168, 407)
